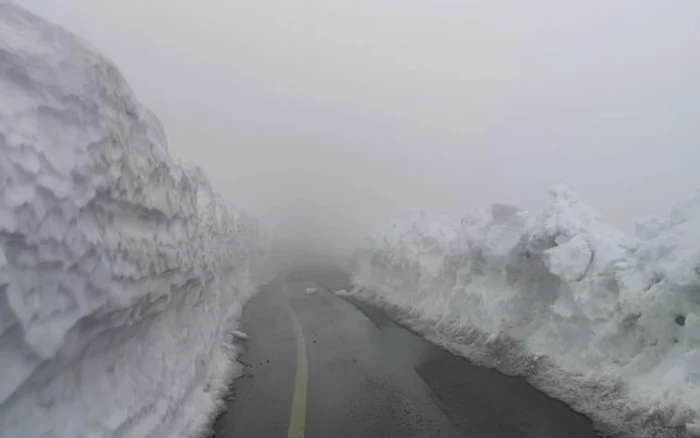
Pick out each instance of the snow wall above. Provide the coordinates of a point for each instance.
(608, 323)
(121, 272)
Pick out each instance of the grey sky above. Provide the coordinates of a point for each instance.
(341, 115)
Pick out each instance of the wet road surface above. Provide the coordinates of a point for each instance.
(317, 366)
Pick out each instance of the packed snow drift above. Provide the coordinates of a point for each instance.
(608, 323)
(121, 272)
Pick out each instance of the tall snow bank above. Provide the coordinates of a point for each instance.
(606, 322)
(120, 271)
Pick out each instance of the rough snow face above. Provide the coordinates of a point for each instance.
(615, 318)
(120, 271)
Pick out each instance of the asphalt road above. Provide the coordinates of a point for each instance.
(318, 366)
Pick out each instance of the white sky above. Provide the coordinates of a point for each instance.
(342, 115)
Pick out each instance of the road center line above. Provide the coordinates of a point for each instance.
(297, 420)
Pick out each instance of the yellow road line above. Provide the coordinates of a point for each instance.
(297, 420)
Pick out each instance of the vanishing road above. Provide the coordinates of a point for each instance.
(319, 367)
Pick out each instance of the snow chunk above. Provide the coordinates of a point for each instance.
(569, 260)
(240, 335)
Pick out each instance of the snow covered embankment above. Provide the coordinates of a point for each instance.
(606, 322)
(121, 273)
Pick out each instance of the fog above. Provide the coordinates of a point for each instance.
(330, 118)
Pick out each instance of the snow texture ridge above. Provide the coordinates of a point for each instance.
(121, 272)
(606, 322)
